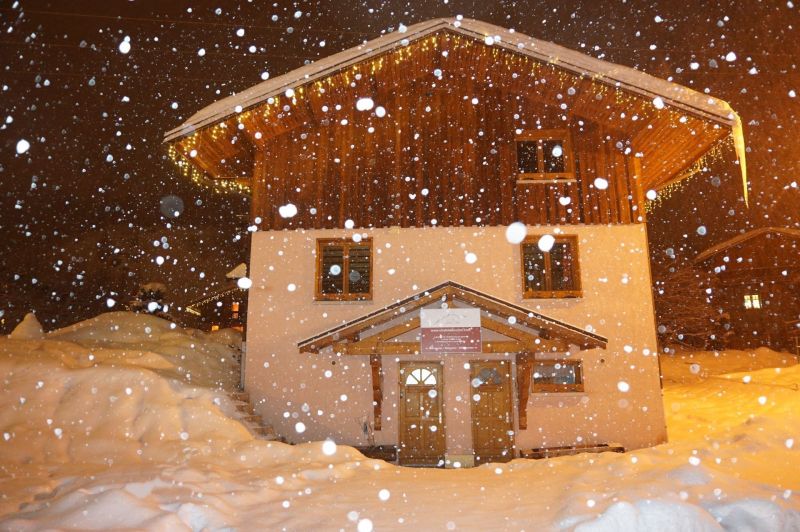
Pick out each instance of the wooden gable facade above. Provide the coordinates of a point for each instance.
(436, 139)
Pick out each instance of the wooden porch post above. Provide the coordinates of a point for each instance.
(524, 366)
(377, 388)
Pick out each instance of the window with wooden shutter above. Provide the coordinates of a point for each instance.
(551, 273)
(344, 270)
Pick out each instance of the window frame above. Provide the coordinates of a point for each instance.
(346, 244)
(539, 136)
(549, 293)
(558, 388)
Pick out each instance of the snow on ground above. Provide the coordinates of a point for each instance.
(121, 422)
(684, 367)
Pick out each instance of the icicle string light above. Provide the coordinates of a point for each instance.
(214, 297)
(435, 50)
(720, 150)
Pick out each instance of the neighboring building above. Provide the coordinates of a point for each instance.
(223, 308)
(394, 300)
(756, 284)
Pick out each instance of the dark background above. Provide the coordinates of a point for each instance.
(79, 211)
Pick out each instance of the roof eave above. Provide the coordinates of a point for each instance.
(473, 29)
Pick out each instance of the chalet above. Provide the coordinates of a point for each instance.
(451, 253)
(756, 281)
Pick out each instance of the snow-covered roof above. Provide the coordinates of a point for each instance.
(738, 239)
(573, 61)
(238, 272)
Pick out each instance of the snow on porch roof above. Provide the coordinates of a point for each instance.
(576, 62)
(496, 306)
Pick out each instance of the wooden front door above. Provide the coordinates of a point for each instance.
(492, 421)
(422, 434)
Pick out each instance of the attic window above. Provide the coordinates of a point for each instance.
(544, 155)
(344, 270)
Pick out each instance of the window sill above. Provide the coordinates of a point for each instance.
(343, 299)
(558, 392)
(545, 179)
(561, 294)
(555, 395)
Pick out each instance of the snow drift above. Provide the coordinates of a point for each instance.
(123, 422)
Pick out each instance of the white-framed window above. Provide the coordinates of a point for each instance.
(421, 376)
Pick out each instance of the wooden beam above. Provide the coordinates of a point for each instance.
(548, 330)
(391, 332)
(531, 341)
(413, 348)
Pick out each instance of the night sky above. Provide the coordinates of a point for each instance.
(80, 209)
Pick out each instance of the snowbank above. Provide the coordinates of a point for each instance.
(146, 439)
(122, 391)
(692, 366)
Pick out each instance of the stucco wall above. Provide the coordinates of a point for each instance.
(332, 395)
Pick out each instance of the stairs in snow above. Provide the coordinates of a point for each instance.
(248, 416)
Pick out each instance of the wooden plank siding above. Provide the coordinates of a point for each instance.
(436, 156)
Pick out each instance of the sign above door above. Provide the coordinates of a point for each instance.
(450, 330)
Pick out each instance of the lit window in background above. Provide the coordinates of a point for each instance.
(752, 301)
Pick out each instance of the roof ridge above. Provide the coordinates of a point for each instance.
(616, 75)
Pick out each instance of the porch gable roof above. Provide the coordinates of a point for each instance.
(547, 327)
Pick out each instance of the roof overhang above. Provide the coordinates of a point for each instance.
(672, 96)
